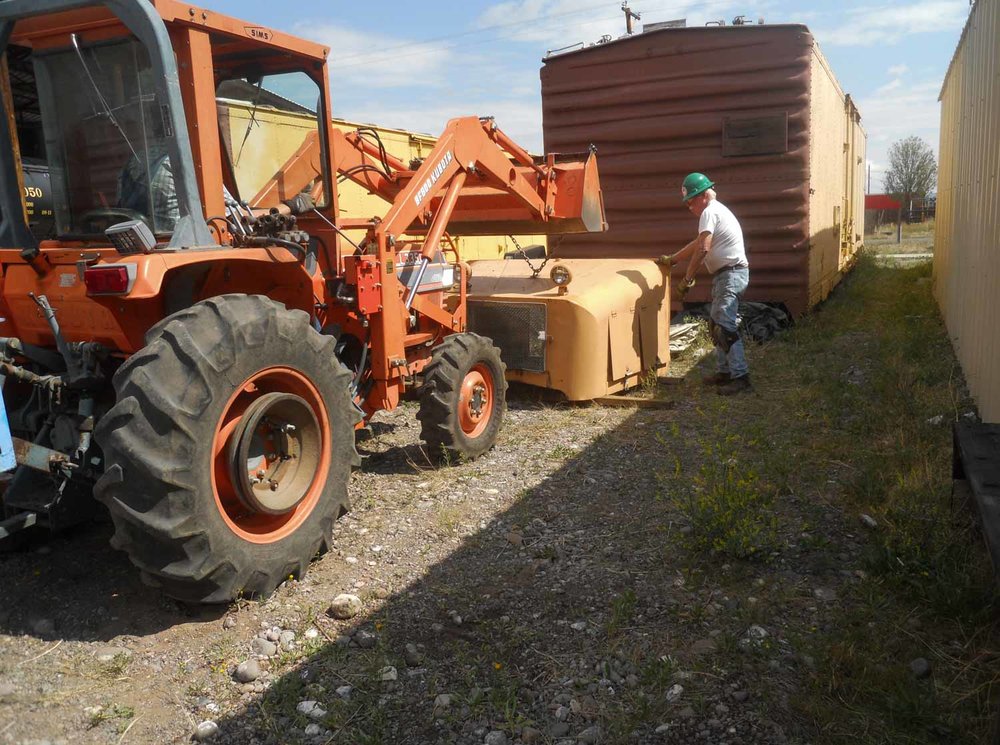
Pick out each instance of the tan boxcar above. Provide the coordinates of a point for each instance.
(757, 108)
(967, 232)
(279, 133)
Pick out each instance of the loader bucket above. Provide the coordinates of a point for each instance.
(578, 206)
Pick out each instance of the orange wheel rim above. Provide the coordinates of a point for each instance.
(475, 401)
(270, 455)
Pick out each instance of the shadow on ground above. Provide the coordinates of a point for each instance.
(576, 596)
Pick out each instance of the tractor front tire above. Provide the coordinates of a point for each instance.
(463, 398)
(229, 450)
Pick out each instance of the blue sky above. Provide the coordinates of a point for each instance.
(397, 66)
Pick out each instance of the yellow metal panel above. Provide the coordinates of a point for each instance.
(967, 232)
(595, 330)
(836, 179)
(260, 142)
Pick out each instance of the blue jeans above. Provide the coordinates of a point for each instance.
(728, 287)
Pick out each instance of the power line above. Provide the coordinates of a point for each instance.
(366, 59)
(470, 32)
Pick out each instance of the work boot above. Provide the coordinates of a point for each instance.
(736, 386)
(719, 378)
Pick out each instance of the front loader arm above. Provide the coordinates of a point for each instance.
(503, 191)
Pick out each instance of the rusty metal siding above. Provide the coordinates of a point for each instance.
(655, 105)
(967, 232)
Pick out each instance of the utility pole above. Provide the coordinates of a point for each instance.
(629, 15)
(869, 190)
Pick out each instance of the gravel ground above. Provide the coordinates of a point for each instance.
(539, 578)
(545, 593)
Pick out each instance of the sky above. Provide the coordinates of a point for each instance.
(398, 66)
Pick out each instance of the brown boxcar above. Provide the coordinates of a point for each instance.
(757, 108)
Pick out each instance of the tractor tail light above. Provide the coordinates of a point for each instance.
(107, 280)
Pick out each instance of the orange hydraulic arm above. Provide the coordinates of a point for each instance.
(475, 181)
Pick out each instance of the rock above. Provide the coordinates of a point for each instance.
(662, 729)
(247, 672)
(740, 696)
(920, 668)
(754, 637)
(345, 691)
(559, 729)
(229, 622)
(286, 640)
(578, 626)
(495, 737)
(365, 639)
(703, 647)
(205, 731)
(531, 736)
(311, 633)
(442, 701)
(674, 693)
(412, 656)
(721, 709)
(108, 654)
(869, 522)
(311, 709)
(589, 736)
(515, 539)
(313, 729)
(263, 647)
(934, 421)
(388, 673)
(562, 713)
(6, 689)
(44, 627)
(345, 606)
(686, 713)
(825, 594)
(273, 635)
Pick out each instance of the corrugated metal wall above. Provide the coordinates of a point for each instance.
(967, 233)
(731, 102)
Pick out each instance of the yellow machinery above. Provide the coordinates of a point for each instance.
(584, 327)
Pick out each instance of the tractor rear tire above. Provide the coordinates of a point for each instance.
(463, 398)
(200, 408)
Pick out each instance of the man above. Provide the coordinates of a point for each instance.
(720, 246)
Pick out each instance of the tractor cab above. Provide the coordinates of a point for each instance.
(121, 129)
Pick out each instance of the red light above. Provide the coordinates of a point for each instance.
(109, 280)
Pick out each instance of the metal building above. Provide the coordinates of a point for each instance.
(967, 232)
(757, 108)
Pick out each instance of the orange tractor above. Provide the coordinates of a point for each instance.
(197, 332)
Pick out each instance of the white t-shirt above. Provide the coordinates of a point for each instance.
(727, 237)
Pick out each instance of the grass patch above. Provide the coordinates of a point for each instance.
(730, 510)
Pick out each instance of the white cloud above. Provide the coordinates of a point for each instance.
(559, 23)
(894, 112)
(897, 70)
(367, 59)
(887, 24)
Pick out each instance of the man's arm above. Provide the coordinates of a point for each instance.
(702, 245)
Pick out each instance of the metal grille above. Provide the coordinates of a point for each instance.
(517, 328)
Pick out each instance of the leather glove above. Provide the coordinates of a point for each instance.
(301, 203)
(684, 286)
(665, 260)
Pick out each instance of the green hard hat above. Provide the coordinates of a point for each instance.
(694, 184)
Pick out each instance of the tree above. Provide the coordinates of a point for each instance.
(912, 170)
